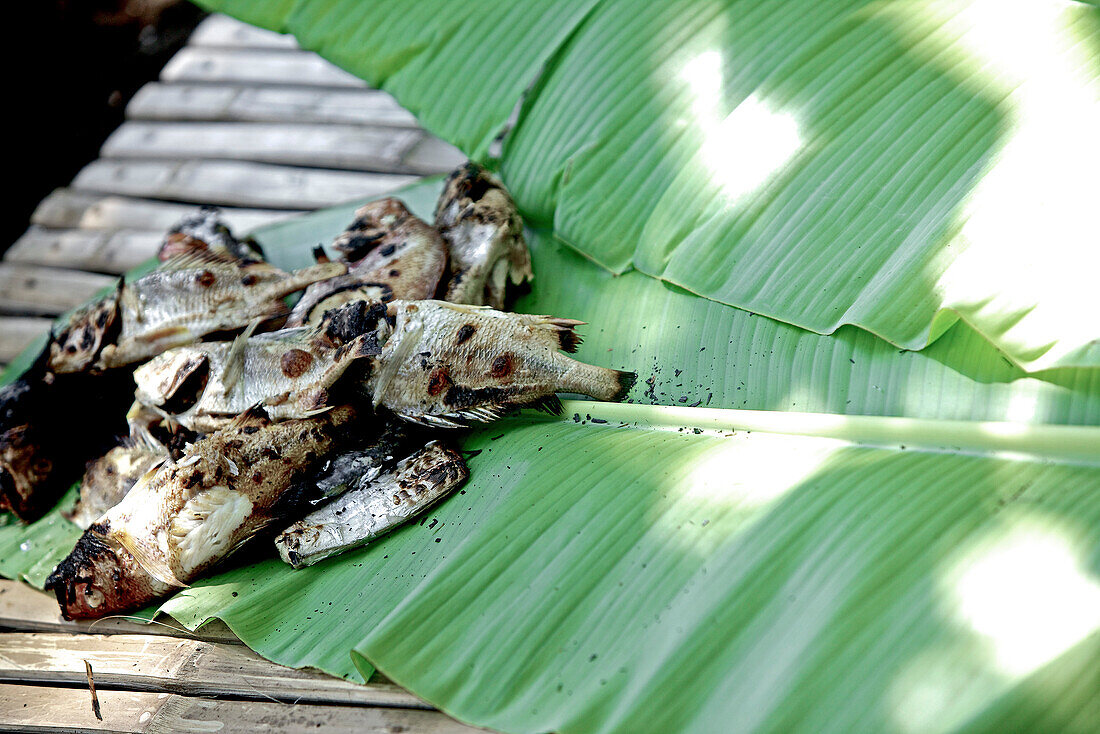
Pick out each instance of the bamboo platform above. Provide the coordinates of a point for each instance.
(242, 119)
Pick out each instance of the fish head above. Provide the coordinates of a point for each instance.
(173, 381)
(483, 230)
(97, 578)
(465, 186)
(78, 343)
(373, 222)
(204, 231)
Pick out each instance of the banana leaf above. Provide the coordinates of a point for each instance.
(925, 556)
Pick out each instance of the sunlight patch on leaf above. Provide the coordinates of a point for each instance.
(1025, 592)
(1027, 271)
(735, 481)
(744, 148)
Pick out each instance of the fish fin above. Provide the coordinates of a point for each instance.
(317, 411)
(433, 421)
(147, 557)
(461, 418)
(568, 340)
(626, 381)
(319, 255)
(254, 415)
(144, 440)
(148, 475)
(562, 331)
(600, 383)
(558, 332)
(391, 366)
(464, 307)
(204, 528)
(191, 259)
(550, 404)
(234, 361)
(484, 413)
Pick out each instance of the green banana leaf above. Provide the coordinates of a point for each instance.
(918, 564)
(890, 165)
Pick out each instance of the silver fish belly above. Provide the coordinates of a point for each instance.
(374, 506)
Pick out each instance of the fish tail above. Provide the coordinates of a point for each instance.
(600, 383)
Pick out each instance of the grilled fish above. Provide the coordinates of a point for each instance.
(187, 297)
(374, 506)
(110, 477)
(447, 364)
(184, 517)
(289, 372)
(484, 234)
(395, 254)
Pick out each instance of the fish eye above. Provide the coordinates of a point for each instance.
(93, 597)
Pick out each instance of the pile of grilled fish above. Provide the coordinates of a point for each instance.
(323, 426)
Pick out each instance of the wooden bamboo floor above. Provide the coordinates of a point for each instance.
(242, 119)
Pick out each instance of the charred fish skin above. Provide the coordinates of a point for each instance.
(484, 234)
(447, 365)
(43, 447)
(374, 506)
(185, 517)
(290, 372)
(393, 254)
(109, 478)
(364, 461)
(204, 231)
